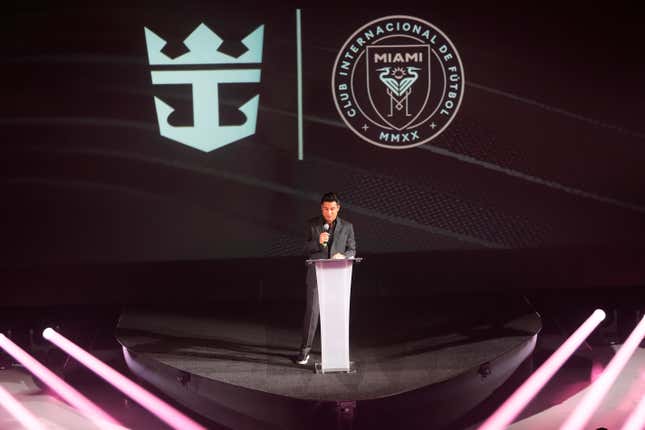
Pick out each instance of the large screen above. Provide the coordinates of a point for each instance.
(164, 131)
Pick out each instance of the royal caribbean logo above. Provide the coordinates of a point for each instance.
(398, 82)
(206, 134)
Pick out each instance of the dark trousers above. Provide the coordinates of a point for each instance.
(312, 311)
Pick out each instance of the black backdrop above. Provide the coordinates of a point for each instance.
(544, 158)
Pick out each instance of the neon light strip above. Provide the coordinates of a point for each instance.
(512, 407)
(590, 402)
(299, 73)
(636, 421)
(18, 411)
(152, 403)
(62, 388)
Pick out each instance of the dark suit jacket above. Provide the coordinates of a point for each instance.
(342, 241)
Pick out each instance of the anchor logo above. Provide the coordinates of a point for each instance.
(206, 134)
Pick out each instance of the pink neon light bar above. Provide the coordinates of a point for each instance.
(62, 388)
(590, 402)
(512, 407)
(152, 403)
(19, 412)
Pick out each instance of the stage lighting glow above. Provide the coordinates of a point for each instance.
(60, 387)
(636, 420)
(18, 411)
(152, 403)
(511, 408)
(590, 402)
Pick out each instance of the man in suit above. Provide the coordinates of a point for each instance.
(326, 236)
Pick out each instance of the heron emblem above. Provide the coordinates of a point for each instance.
(398, 82)
(399, 85)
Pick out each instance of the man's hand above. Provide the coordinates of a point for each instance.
(324, 238)
(338, 256)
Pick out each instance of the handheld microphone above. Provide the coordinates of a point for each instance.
(325, 229)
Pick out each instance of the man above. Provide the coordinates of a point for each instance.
(326, 236)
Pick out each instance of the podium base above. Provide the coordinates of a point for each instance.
(318, 368)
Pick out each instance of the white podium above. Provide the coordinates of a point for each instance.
(334, 278)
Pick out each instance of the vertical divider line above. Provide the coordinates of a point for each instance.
(299, 73)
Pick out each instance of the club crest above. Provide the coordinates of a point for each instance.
(398, 82)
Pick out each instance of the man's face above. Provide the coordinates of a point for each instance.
(329, 211)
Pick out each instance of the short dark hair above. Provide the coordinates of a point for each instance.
(330, 197)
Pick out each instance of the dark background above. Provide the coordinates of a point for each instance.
(538, 182)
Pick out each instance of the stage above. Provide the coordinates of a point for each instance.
(418, 362)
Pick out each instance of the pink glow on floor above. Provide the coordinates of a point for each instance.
(18, 411)
(636, 420)
(596, 370)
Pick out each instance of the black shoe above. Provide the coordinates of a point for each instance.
(302, 358)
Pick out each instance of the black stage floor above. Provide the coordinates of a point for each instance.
(401, 348)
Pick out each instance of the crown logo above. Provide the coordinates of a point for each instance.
(203, 45)
(207, 133)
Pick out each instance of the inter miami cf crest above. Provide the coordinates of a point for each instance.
(206, 134)
(398, 82)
